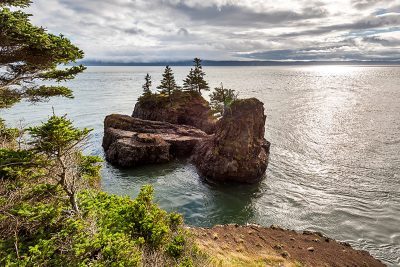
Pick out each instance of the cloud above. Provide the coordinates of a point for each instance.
(370, 22)
(242, 16)
(183, 32)
(364, 4)
(391, 39)
(161, 30)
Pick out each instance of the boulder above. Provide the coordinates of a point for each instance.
(238, 150)
(187, 108)
(130, 142)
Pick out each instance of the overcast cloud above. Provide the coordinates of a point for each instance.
(166, 30)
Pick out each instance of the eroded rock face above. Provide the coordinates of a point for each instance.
(238, 150)
(187, 109)
(129, 141)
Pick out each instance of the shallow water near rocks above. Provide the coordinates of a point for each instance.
(334, 163)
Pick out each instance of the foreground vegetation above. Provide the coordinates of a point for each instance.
(52, 211)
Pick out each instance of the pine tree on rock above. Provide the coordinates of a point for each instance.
(195, 79)
(146, 86)
(168, 85)
(221, 99)
(188, 82)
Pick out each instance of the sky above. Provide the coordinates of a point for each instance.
(174, 30)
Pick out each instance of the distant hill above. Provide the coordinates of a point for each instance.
(240, 63)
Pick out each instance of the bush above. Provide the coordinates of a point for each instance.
(111, 231)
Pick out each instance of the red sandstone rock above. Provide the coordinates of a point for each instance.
(238, 150)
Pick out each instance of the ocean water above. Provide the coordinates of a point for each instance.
(335, 154)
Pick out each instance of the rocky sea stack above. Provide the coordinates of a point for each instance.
(130, 142)
(187, 108)
(238, 150)
(235, 151)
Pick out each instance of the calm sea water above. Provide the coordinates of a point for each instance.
(335, 155)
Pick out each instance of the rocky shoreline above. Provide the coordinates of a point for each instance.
(254, 245)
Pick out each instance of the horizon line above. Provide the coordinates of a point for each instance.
(238, 63)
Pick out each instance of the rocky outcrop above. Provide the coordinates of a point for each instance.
(238, 150)
(129, 141)
(187, 108)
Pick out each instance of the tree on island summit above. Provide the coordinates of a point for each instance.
(146, 86)
(195, 79)
(168, 84)
(30, 54)
(221, 99)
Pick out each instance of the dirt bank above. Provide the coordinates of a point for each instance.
(252, 245)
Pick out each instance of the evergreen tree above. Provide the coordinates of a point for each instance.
(168, 84)
(222, 98)
(58, 141)
(29, 53)
(195, 79)
(146, 86)
(188, 82)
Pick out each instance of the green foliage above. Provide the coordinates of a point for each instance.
(17, 3)
(44, 92)
(62, 75)
(38, 228)
(195, 79)
(147, 85)
(111, 231)
(19, 163)
(140, 218)
(176, 247)
(177, 99)
(221, 99)
(9, 97)
(7, 134)
(168, 84)
(89, 168)
(30, 54)
(56, 136)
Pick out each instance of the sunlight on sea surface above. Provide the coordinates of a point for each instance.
(334, 164)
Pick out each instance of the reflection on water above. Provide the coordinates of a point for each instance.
(179, 188)
(334, 163)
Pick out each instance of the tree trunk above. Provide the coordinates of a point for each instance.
(74, 203)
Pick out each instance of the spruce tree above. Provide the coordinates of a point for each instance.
(29, 54)
(188, 82)
(168, 84)
(146, 86)
(222, 98)
(195, 79)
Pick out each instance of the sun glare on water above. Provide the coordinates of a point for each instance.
(332, 69)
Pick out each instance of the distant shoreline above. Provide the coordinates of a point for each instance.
(245, 63)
